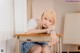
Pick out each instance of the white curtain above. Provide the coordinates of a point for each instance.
(20, 8)
(6, 24)
(6, 19)
(13, 20)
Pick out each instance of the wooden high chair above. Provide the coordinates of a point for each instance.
(32, 38)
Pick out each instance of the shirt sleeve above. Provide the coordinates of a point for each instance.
(32, 24)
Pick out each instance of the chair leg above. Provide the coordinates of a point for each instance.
(68, 49)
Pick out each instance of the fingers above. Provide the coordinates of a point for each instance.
(50, 44)
(54, 41)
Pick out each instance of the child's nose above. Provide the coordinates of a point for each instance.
(47, 22)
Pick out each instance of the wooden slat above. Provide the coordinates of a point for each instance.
(36, 34)
(59, 34)
(32, 34)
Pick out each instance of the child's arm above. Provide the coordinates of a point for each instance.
(53, 35)
(54, 38)
(37, 31)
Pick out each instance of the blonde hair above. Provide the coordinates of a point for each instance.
(51, 13)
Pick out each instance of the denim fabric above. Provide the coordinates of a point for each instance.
(25, 47)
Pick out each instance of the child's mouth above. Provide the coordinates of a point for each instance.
(44, 25)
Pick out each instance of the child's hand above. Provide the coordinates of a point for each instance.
(53, 42)
(50, 28)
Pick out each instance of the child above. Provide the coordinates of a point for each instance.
(45, 25)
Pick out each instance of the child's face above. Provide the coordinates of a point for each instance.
(47, 20)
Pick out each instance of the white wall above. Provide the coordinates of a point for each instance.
(60, 6)
(38, 7)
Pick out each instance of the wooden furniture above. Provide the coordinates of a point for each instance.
(71, 31)
(32, 38)
(75, 49)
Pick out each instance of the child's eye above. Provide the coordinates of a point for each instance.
(45, 18)
(50, 20)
